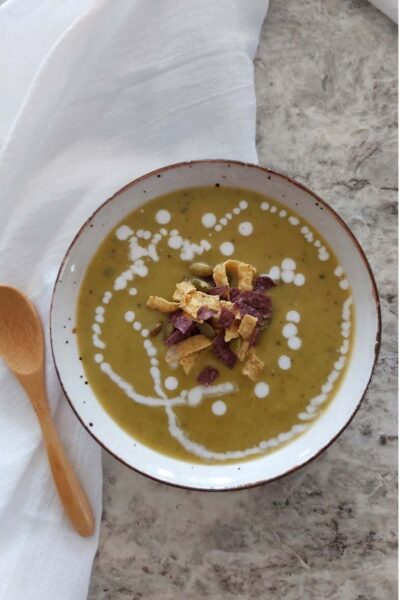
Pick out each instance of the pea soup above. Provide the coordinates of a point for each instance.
(250, 381)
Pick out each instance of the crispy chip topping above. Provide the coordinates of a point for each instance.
(230, 315)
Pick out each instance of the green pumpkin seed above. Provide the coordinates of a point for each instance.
(235, 345)
(207, 330)
(168, 329)
(201, 269)
(200, 285)
(155, 329)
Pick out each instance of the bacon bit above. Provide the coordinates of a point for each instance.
(223, 351)
(204, 313)
(247, 326)
(162, 305)
(255, 336)
(180, 321)
(207, 376)
(222, 292)
(226, 318)
(177, 336)
(253, 366)
(263, 283)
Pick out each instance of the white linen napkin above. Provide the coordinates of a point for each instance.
(389, 7)
(93, 94)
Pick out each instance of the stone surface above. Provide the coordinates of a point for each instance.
(326, 90)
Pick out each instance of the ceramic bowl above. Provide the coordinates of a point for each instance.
(332, 420)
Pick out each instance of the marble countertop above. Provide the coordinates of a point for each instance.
(326, 91)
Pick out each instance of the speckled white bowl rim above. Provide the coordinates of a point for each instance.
(326, 428)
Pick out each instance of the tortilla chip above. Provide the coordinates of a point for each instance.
(244, 348)
(192, 301)
(188, 362)
(182, 288)
(219, 275)
(186, 347)
(162, 305)
(245, 274)
(247, 326)
(253, 366)
(228, 305)
(232, 332)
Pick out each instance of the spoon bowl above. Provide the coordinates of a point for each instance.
(21, 337)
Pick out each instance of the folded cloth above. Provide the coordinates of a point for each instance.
(94, 94)
(389, 7)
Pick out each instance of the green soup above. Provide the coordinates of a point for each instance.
(304, 349)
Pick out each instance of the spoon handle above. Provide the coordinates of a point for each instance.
(69, 489)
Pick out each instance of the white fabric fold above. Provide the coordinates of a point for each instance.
(390, 8)
(94, 94)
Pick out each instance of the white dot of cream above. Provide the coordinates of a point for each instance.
(245, 228)
(284, 362)
(171, 383)
(273, 209)
(123, 232)
(209, 220)
(98, 358)
(282, 213)
(299, 279)
(154, 362)
(175, 242)
(227, 248)
(293, 220)
(243, 204)
(218, 228)
(275, 273)
(289, 264)
(287, 276)
(129, 316)
(133, 291)
(163, 216)
(338, 271)
(261, 389)
(236, 210)
(223, 221)
(195, 396)
(218, 408)
(293, 315)
(145, 333)
(264, 206)
(137, 326)
(294, 343)
(289, 330)
(344, 284)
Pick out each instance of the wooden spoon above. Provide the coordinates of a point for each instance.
(22, 348)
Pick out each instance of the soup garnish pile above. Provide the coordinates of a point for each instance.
(214, 324)
(207, 312)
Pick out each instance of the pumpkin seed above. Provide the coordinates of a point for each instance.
(155, 329)
(168, 329)
(235, 345)
(200, 285)
(201, 269)
(207, 330)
